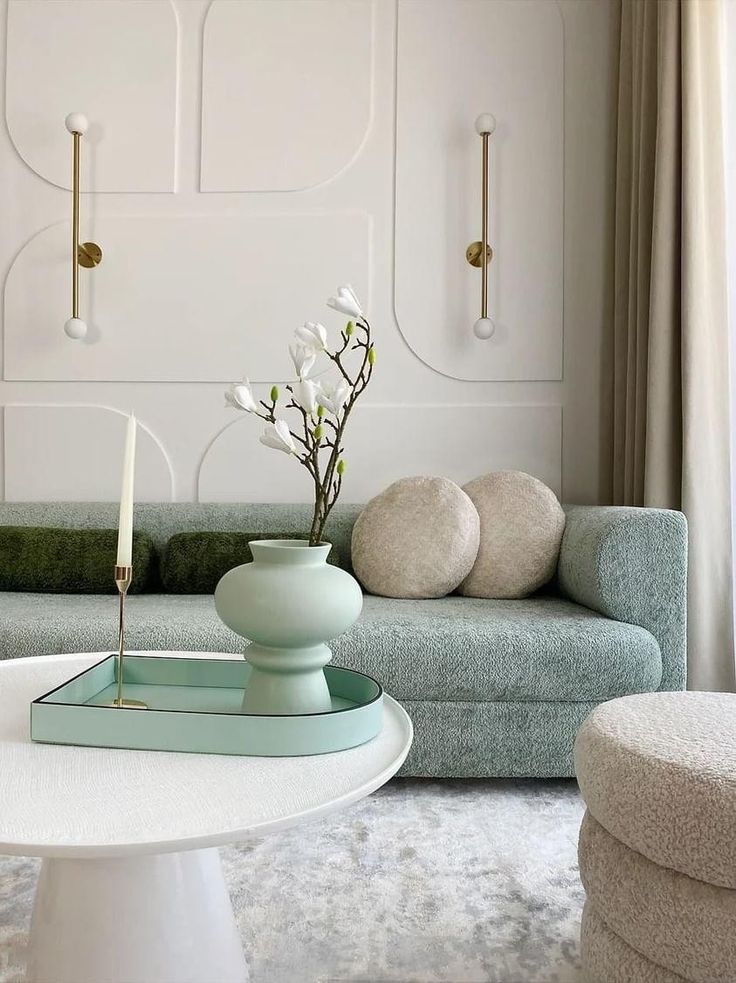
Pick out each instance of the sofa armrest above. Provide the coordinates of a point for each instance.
(630, 564)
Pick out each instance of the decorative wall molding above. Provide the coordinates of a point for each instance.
(390, 442)
(512, 66)
(310, 63)
(116, 62)
(231, 288)
(74, 453)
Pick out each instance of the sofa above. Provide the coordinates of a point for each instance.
(495, 687)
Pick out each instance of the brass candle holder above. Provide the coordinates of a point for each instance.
(123, 578)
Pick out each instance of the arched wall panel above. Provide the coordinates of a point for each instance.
(454, 62)
(286, 92)
(180, 299)
(115, 62)
(74, 453)
(389, 442)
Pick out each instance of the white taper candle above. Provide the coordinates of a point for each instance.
(125, 525)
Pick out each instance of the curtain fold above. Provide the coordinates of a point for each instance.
(670, 439)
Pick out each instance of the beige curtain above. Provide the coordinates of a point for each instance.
(670, 347)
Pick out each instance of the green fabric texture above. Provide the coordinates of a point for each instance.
(162, 520)
(62, 561)
(194, 562)
(493, 740)
(454, 648)
(630, 564)
(495, 688)
(483, 737)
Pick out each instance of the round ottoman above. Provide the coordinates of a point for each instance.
(657, 845)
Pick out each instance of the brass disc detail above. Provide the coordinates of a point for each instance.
(473, 254)
(89, 255)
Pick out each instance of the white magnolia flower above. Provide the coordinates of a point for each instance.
(332, 396)
(313, 335)
(303, 357)
(346, 302)
(305, 394)
(240, 397)
(278, 436)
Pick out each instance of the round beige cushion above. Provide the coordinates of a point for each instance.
(418, 538)
(682, 924)
(521, 526)
(658, 772)
(606, 958)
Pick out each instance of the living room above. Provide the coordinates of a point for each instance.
(366, 567)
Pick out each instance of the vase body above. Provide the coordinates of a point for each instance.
(288, 603)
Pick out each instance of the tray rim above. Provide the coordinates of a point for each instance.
(210, 713)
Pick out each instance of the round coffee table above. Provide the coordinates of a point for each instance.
(131, 888)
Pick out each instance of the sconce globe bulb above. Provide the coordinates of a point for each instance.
(76, 123)
(484, 328)
(76, 328)
(485, 123)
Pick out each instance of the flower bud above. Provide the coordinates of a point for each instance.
(340, 467)
(349, 328)
(318, 432)
(371, 355)
(321, 411)
(274, 394)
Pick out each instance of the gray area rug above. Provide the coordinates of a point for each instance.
(423, 882)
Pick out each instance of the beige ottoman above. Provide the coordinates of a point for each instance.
(658, 842)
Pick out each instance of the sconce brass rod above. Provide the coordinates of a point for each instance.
(76, 137)
(484, 232)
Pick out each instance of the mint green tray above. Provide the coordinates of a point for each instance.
(194, 705)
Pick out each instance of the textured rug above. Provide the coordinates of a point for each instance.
(423, 882)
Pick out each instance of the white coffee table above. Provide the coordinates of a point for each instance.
(131, 888)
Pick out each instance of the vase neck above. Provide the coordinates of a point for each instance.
(290, 552)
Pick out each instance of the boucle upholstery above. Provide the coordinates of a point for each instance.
(658, 771)
(608, 959)
(70, 561)
(417, 539)
(683, 924)
(631, 565)
(522, 739)
(454, 648)
(521, 524)
(628, 564)
(500, 735)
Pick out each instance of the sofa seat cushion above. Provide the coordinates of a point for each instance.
(451, 648)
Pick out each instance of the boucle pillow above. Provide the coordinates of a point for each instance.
(521, 526)
(195, 562)
(46, 560)
(418, 538)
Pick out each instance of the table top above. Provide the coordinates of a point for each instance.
(64, 801)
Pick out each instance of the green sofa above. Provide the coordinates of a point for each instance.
(495, 688)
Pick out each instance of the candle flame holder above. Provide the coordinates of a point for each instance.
(123, 578)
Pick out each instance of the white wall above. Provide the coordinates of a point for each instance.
(244, 158)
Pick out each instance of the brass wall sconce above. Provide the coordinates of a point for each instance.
(480, 254)
(86, 254)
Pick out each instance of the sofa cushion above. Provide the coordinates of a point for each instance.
(194, 562)
(50, 560)
(453, 648)
(521, 526)
(417, 539)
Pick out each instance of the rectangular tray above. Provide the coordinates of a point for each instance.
(195, 705)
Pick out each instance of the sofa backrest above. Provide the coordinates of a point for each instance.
(162, 519)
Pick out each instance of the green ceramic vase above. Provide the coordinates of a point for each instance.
(288, 603)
